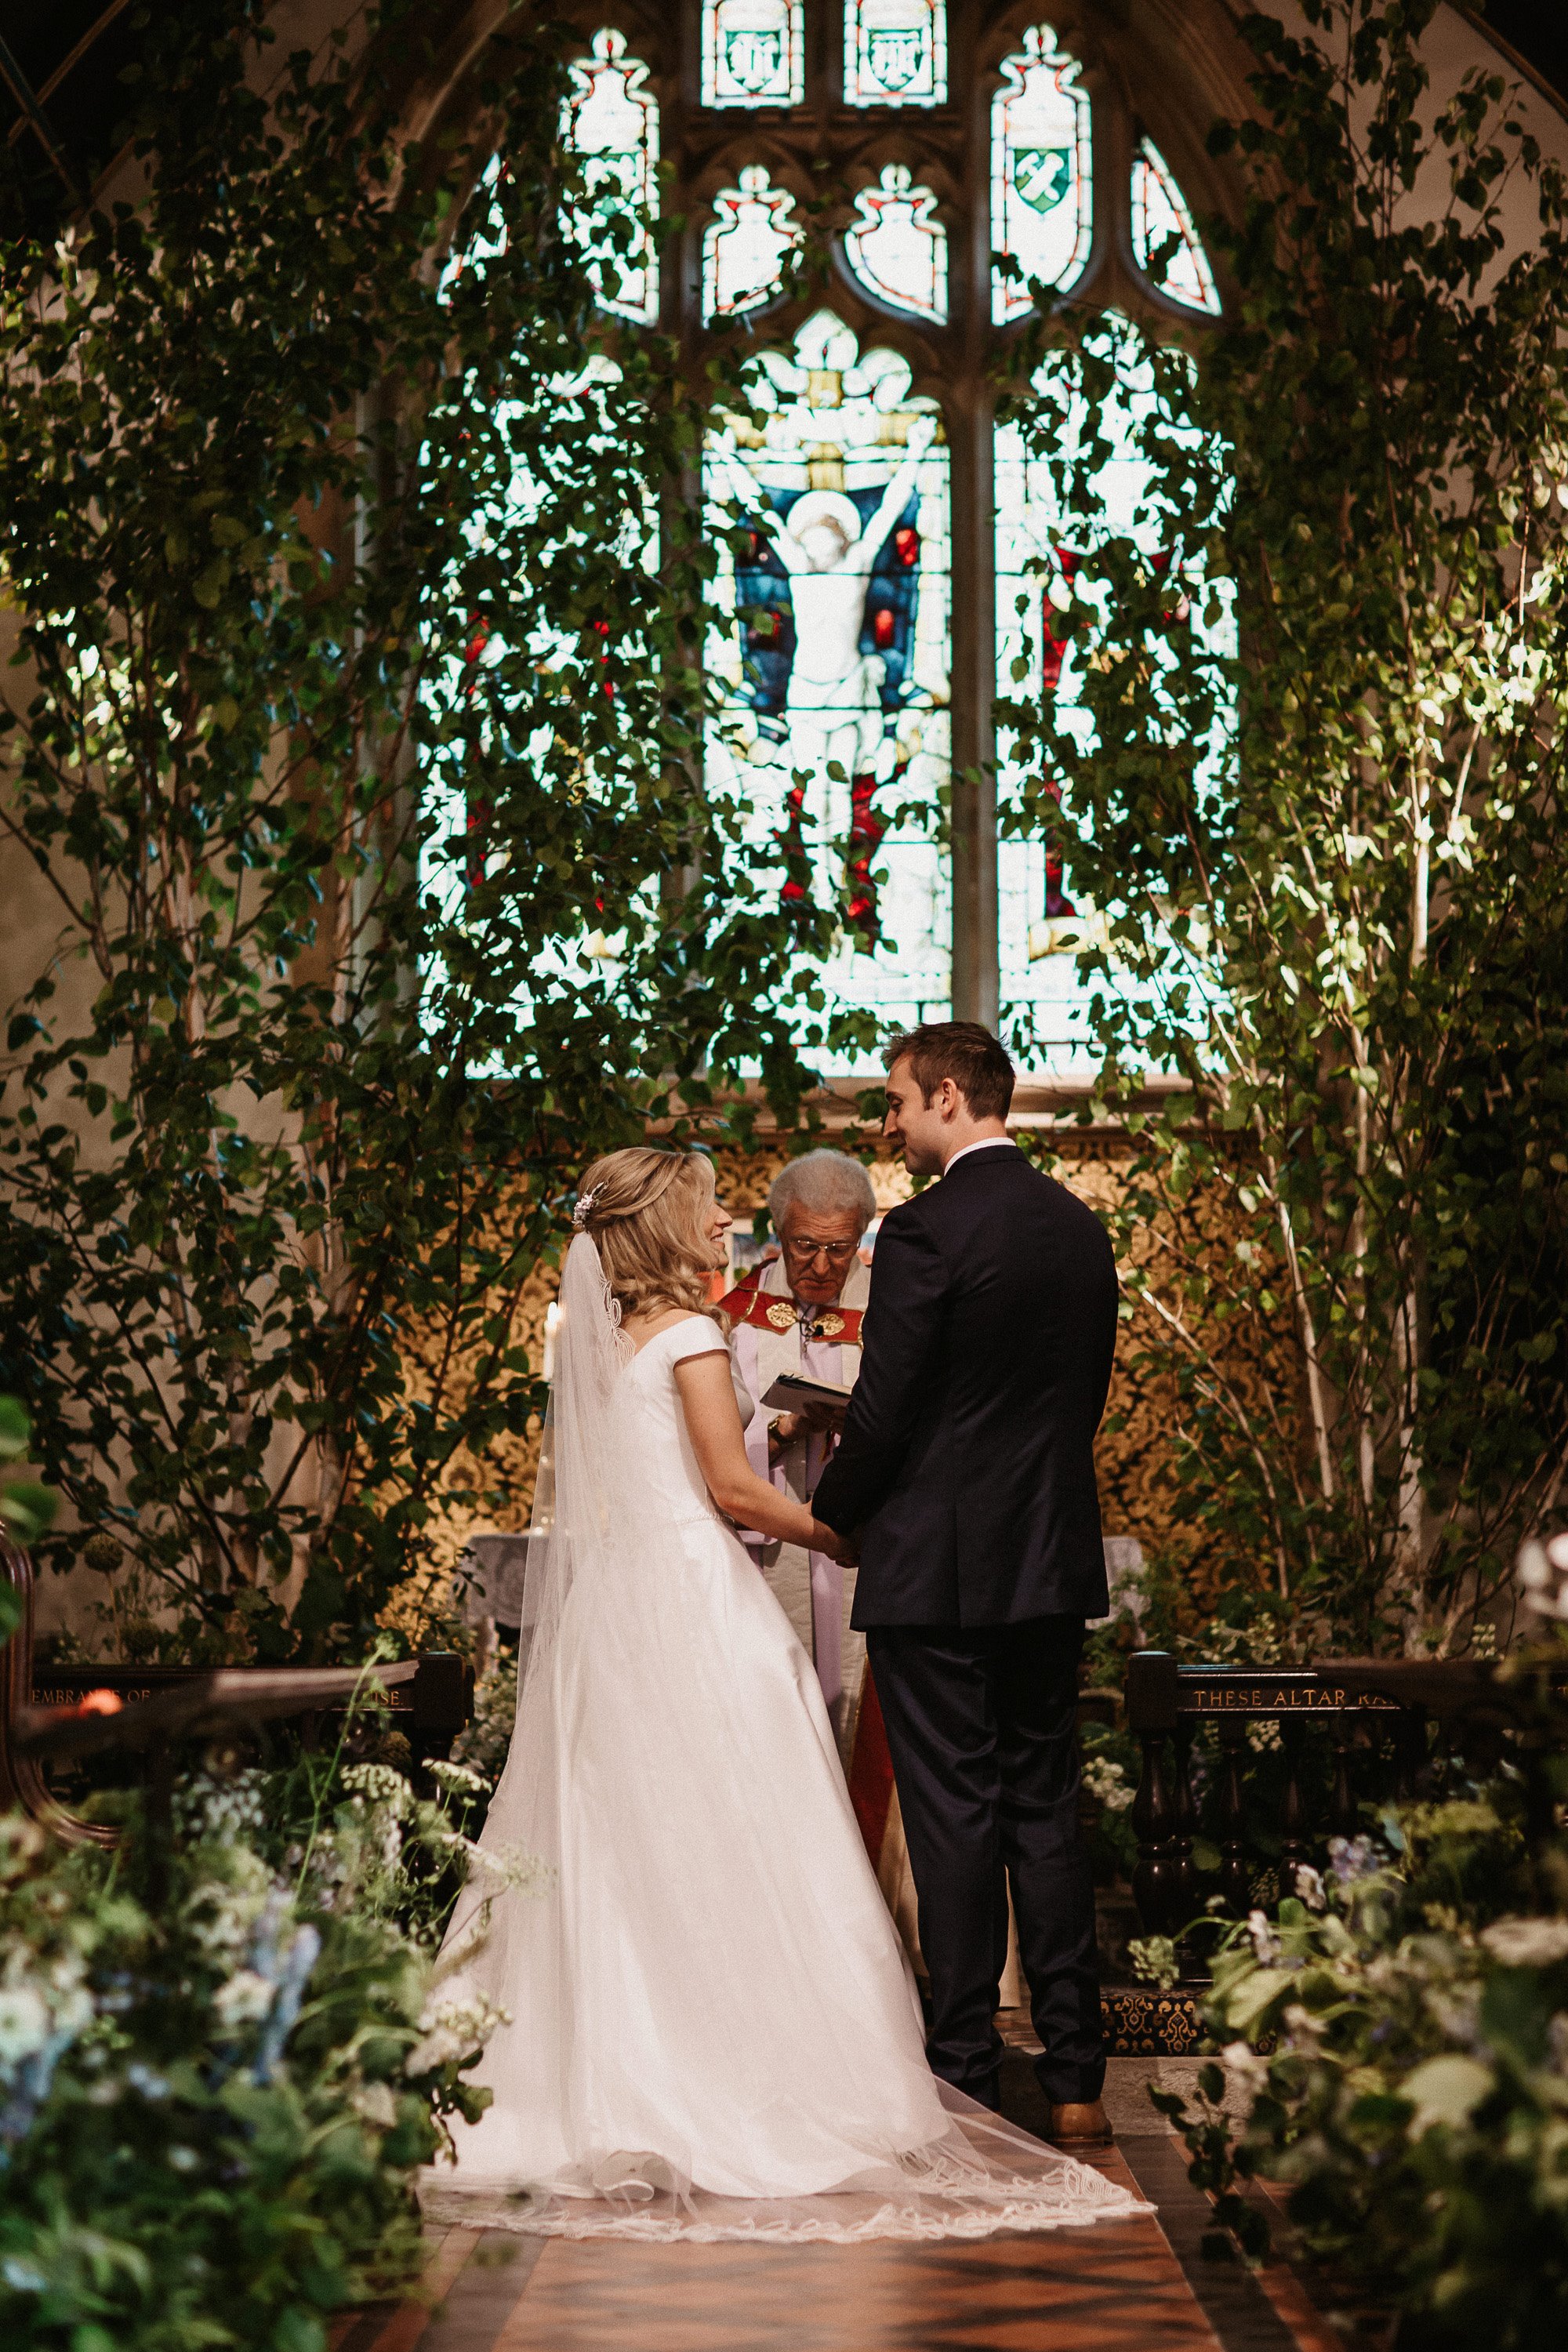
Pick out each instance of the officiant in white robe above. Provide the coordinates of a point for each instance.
(800, 1312)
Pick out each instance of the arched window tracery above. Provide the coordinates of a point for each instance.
(960, 174)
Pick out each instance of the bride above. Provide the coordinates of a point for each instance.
(713, 2032)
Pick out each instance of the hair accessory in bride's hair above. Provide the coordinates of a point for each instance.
(585, 1210)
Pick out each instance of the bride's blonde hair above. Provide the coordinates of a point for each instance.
(646, 1222)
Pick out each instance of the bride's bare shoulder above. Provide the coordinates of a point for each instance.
(640, 1329)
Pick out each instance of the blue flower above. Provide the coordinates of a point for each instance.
(295, 1974)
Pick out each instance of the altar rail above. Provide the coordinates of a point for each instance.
(1371, 1718)
(429, 1699)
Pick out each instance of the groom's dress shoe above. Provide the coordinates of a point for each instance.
(1080, 2123)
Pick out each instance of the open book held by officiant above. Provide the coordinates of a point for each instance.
(791, 1391)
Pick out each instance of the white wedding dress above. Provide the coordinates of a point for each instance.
(714, 2032)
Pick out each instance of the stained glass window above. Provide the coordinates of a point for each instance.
(895, 52)
(612, 124)
(896, 250)
(1044, 920)
(745, 244)
(753, 53)
(832, 642)
(831, 639)
(1041, 174)
(1165, 235)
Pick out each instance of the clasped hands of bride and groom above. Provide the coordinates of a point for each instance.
(710, 2028)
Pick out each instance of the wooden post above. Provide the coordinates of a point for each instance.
(1344, 1818)
(1293, 1851)
(1235, 1878)
(1151, 1688)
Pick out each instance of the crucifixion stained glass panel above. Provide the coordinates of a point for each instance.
(831, 639)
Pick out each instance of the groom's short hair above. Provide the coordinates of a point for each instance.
(964, 1052)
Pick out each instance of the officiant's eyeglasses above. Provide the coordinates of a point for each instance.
(836, 1253)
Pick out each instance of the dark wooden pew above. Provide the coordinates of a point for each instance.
(43, 1714)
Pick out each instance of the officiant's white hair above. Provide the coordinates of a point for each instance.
(828, 1181)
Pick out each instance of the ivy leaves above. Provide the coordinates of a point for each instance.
(1306, 750)
(357, 742)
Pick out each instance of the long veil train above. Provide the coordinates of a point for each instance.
(712, 2031)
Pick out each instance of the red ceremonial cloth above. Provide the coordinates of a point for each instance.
(871, 1772)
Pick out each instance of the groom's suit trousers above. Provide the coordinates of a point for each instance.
(982, 1728)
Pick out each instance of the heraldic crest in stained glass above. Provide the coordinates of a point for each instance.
(1041, 174)
(745, 244)
(753, 53)
(835, 653)
(896, 250)
(895, 52)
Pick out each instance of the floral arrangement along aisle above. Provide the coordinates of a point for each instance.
(223, 2058)
(1393, 2049)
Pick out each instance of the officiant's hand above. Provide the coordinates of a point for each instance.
(813, 1417)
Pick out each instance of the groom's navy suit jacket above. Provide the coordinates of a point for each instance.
(967, 1460)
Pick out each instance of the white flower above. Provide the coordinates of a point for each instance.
(244, 2000)
(378, 1784)
(439, 2048)
(1456, 2009)
(1107, 1784)
(224, 1913)
(73, 2011)
(513, 1867)
(374, 2104)
(1309, 1887)
(455, 1776)
(23, 2024)
(510, 1865)
(1540, 1575)
(225, 1813)
(21, 1842)
(1527, 1942)
(1154, 1958)
(1445, 2090)
(1352, 1858)
(1244, 2069)
(1265, 1942)
(452, 2028)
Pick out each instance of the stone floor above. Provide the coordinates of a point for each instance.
(1136, 2286)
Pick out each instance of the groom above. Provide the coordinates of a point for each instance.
(966, 1468)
